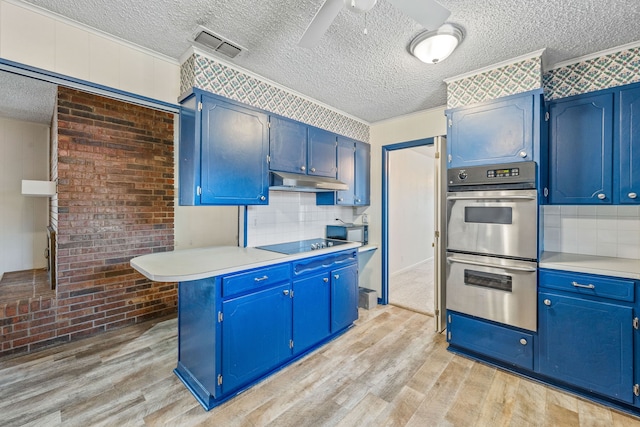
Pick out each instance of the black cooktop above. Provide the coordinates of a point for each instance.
(290, 248)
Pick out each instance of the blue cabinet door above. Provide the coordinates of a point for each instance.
(587, 343)
(235, 143)
(311, 321)
(498, 131)
(629, 155)
(346, 171)
(321, 153)
(363, 174)
(256, 334)
(288, 145)
(581, 150)
(344, 297)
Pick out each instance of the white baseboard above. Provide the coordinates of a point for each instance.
(411, 267)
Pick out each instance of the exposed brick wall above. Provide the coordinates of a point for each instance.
(115, 201)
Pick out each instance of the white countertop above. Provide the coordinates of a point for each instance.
(200, 263)
(607, 266)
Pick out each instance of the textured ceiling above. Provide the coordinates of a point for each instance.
(372, 77)
(24, 98)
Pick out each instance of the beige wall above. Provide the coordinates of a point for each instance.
(24, 154)
(36, 38)
(424, 124)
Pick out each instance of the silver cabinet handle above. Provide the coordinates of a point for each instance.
(547, 302)
(578, 285)
(303, 168)
(313, 169)
(325, 280)
(336, 276)
(260, 279)
(632, 195)
(602, 196)
(285, 292)
(523, 154)
(491, 198)
(482, 264)
(263, 198)
(523, 341)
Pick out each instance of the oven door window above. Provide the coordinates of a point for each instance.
(500, 282)
(488, 215)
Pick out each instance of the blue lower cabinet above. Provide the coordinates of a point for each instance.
(344, 297)
(587, 343)
(311, 311)
(235, 330)
(501, 343)
(256, 335)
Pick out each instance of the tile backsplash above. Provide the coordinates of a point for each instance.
(612, 231)
(291, 216)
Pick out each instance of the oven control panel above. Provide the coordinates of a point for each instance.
(499, 173)
(520, 175)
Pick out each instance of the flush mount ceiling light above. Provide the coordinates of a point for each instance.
(435, 46)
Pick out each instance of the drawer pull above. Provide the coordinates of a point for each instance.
(547, 302)
(285, 292)
(326, 279)
(336, 276)
(523, 341)
(578, 285)
(260, 279)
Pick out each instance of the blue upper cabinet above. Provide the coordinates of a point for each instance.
(346, 169)
(628, 164)
(354, 169)
(299, 148)
(363, 174)
(498, 131)
(321, 153)
(581, 149)
(223, 152)
(288, 145)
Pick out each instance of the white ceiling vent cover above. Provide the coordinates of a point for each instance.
(212, 41)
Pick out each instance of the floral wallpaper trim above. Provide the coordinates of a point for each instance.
(615, 69)
(207, 74)
(511, 79)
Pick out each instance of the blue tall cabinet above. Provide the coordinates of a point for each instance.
(594, 144)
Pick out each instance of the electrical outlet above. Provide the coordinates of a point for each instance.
(365, 218)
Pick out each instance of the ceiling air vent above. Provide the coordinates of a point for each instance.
(213, 41)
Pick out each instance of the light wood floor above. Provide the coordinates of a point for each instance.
(390, 369)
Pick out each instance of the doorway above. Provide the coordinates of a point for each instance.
(412, 227)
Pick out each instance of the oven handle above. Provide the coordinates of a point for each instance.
(515, 197)
(482, 264)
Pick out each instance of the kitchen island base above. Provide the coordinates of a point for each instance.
(237, 329)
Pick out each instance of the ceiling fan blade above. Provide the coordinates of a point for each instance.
(428, 13)
(320, 23)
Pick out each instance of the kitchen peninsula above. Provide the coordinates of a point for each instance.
(244, 313)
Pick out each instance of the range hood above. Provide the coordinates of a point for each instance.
(285, 181)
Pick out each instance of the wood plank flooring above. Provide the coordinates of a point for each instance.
(21, 285)
(389, 370)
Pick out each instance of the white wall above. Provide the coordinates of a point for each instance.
(33, 37)
(411, 207)
(24, 154)
(423, 124)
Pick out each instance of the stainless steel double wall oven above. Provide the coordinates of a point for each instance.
(492, 243)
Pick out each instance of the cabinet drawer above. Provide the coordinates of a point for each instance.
(497, 342)
(588, 284)
(314, 264)
(248, 280)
